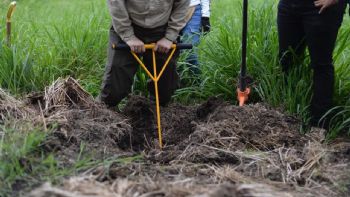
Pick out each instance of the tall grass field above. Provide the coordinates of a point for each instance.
(59, 38)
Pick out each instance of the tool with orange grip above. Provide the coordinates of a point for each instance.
(243, 90)
(155, 76)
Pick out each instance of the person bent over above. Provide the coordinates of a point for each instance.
(136, 23)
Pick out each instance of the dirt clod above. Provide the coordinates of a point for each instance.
(212, 149)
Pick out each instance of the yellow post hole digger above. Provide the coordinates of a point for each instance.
(155, 76)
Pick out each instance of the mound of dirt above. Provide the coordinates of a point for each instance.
(95, 131)
(80, 124)
(258, 142)
(215, 123)
(75, 123)
(212, 149)
(231, 129)
(11, 108)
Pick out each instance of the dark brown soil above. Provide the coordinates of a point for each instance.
(95, 131)
(77, 125)
(176, 123)
(254, 127)
(142, 118)
(212, 149)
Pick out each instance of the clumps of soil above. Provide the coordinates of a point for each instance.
(204, 133)
(11, 108)
(95, 131)
(176, 123)
(74, 122)
(213, 149)
(142, 118)
(231, 128)
(215, 124)
(80, 124)
(256, 141)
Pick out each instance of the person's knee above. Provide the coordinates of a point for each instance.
(110, 98)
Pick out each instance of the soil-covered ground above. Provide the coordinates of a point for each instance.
(212, 149)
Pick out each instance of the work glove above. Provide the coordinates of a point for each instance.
(205, 24)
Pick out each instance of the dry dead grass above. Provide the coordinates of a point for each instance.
(227, 154)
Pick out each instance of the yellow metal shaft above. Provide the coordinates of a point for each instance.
(143, 66)
(166, 63)
(157, 99)
(155, 78)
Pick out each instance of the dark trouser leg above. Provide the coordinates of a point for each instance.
(291, 35)
(119, 73)
(169, 80)
(321, 34)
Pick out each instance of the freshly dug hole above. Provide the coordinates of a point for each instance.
(176, 123)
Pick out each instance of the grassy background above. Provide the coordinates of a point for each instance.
(60, 38)
(69, 37)
(52, 39)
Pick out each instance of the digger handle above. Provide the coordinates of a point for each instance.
(180, 46)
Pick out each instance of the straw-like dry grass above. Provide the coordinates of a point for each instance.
(227, 150)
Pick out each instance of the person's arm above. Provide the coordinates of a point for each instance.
(120, 19)
(122, 25)
(177, 21)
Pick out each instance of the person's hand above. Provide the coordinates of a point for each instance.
(324, 4)
(163, 45)
(136, 45)
(205, 24)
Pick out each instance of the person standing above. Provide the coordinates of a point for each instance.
(198, 18)
(315, 24)
(136, 23)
